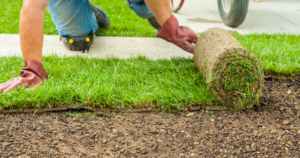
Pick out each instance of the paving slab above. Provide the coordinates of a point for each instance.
(265, 16)
(120, 47)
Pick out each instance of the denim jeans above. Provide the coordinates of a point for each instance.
(75, 18)
(140, 8)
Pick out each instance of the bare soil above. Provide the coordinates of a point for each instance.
(270, 130)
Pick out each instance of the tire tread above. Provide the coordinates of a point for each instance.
(237, 13)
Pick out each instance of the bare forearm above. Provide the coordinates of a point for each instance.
(160, 9)
(31, 29)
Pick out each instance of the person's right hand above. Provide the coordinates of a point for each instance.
(31, 75)
(181, 36)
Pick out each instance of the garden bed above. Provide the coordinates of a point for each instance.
(271, 129)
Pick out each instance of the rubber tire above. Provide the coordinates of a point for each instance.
(176, 8)
(237, 14)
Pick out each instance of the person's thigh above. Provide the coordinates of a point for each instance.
(140, 8)
(73, 17)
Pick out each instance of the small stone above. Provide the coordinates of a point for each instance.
(76, 119)
(273, 131)
(290, 143)
(104, 141)
(271, 137)
(289, 91)
(252, 145)
(16, 155)
(190, 114)
(78, 128)
(287, 150)
(10, 129)
(296, 103)
(212, 120)
(122, 151)
(196, 143)
(285, 122)
(159, 123)
(54, 143)
(35, 154)
(181, 131)
(52, 146)
(193, 155)
(145, 152)
(255, 133)
(188, 136)
(61, 137)
(260, 135)
(5, 144)
(247, 147)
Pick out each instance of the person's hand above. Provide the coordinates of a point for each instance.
(31, 75)
(181, 36)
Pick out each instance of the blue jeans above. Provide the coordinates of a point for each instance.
(140, 8)
(75, 17)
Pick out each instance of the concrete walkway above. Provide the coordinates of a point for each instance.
(269, 16)
(121, 47)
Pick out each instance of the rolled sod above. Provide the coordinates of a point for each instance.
(233, 73)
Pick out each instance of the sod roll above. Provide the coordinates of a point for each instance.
(233, 73)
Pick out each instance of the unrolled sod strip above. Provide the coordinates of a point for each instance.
(234, 74)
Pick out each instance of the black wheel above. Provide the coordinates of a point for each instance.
(176, 5)
(233, 12)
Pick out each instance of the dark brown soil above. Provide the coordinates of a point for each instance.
(271, 130)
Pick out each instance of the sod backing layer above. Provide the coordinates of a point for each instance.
(234, 74)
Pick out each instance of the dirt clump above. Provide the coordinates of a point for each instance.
(271, 130)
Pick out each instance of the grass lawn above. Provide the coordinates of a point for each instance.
(132, 82)
(278, 53)
(110, 82)
(124, 22)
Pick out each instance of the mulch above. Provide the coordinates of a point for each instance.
(271, 129)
